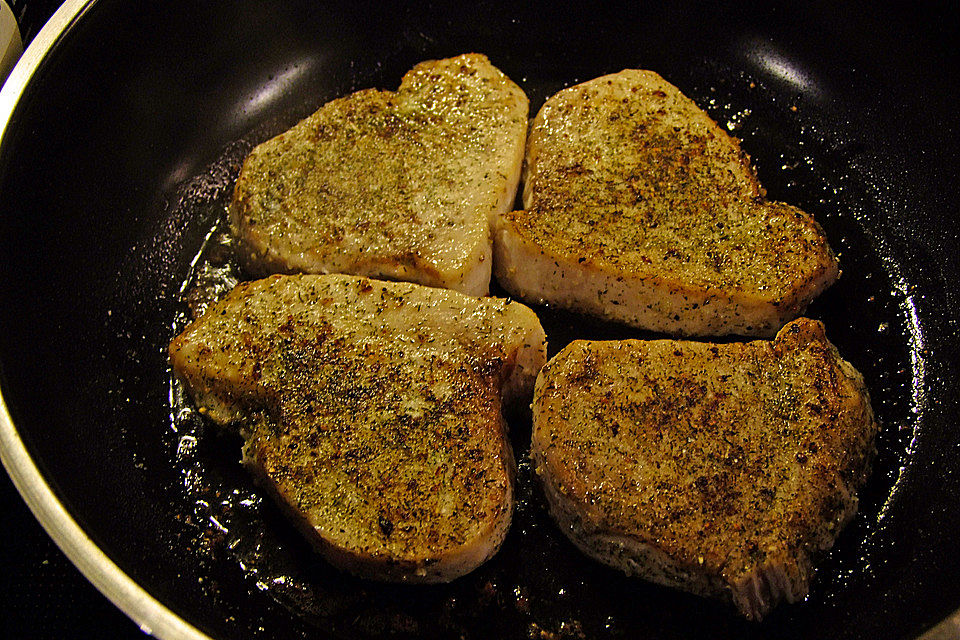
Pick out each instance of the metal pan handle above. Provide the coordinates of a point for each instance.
(11, 45)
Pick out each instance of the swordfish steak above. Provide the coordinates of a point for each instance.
(721, 469)
(638, 208)
(399, 185)
(372, 411)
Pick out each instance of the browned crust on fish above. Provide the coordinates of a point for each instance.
(398, 185)
(721, 469)
(372, 410)
(639, 208)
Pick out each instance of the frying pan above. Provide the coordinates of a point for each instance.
(125, 124)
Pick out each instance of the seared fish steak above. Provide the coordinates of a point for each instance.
(399, 185)
(372, 410)
(720, 469)
(638, 208)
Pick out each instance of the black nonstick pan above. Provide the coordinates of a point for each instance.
(125, 124)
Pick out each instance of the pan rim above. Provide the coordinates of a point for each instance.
(152, 616)
(148, 613)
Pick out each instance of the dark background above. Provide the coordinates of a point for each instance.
(31, 15)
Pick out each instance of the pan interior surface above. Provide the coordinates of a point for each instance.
(115, 172)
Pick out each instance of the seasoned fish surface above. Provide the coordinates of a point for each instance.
(639, 208)
(401, 185)
(720, 469)
(372, 410)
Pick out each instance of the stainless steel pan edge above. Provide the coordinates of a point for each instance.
(150, 614)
